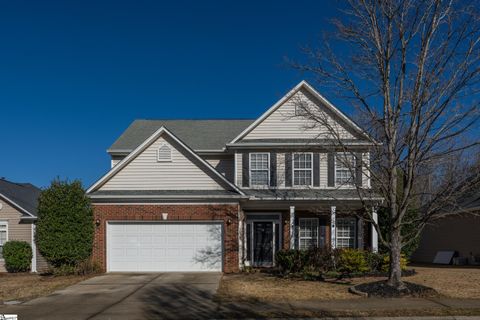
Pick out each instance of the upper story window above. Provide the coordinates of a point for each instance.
(259, 169)
(307, 233)
(164, 154)
(345, 169)
(345, 233)
(3, 236)
(302, 169)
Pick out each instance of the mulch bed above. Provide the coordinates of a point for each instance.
(383, 290)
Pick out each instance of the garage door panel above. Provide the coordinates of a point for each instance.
(143, 247)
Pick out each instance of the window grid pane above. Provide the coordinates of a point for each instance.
(302, 169)
(259, 169)
(345, 233)
(308, 233)
(344, 169)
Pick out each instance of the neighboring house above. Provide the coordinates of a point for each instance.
(459, 232)
(18, 213)
(219, 195)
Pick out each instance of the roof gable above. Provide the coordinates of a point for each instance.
(141, 170)
(280, 121)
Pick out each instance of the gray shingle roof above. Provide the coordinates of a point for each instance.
(23, 194)
(197, 134)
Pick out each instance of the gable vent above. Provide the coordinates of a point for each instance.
(164, 154)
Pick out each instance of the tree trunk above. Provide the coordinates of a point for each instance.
(395, 271)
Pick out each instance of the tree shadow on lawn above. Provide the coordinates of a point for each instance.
(191, 302)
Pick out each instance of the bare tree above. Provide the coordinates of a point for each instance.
(411, 68)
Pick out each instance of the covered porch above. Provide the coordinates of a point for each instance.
(269, 226)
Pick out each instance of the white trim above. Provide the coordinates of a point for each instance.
(315, 93)
(4, 223)
(333, 227)
(163, 203)
(251, 222)
(147, 143)
(374, 231)
(34, 249)
(292, 227)
(166, 197)
(235, 178)
(17, 205)
(304, 169)
(250, 185)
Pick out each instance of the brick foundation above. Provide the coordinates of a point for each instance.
(218, 212)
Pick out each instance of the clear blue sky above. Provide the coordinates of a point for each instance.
(75, 74)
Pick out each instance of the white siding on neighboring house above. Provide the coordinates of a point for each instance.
(144, 172)
(223, 164)
(283, 124)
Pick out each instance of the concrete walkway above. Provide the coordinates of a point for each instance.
(192, 296)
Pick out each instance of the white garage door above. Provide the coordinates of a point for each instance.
(152, 246)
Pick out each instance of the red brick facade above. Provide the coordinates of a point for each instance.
(228, 213)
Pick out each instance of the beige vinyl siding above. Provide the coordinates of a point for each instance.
(238, 162)
(283, 124)
(458, 233)
(223, 164)
(144, 172)
(17, 229)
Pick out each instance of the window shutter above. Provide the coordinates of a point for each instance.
(245, 169)
(316, 170)
(273, 169)
(288, 169)
(359, 233)
(358, 169)
(331, 169)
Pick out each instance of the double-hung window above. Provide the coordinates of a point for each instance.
(3, 236)
(302, 169)
(346, 232)
(308, 233)
(259, 169)
(344, 169)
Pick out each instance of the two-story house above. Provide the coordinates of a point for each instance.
(218, 195)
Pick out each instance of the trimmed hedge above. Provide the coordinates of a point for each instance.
(17, 255)
(340, 261)
(65, 224)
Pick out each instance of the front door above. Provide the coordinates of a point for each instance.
(263, 244)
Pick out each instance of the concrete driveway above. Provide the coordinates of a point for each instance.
(128, 296)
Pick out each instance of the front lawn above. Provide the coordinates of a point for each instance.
(452, 282)
(26, 286)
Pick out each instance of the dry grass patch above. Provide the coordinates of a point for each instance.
(264, 287)
(26, 286)
(454, 282)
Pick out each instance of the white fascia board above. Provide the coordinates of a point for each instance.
(92, 196)
(314, 199)
(294, 144)
(147, 143)
(302, 84)
(19, 207)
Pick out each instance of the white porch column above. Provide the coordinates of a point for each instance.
(333, 227)
(374, 231)
(292, 227)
